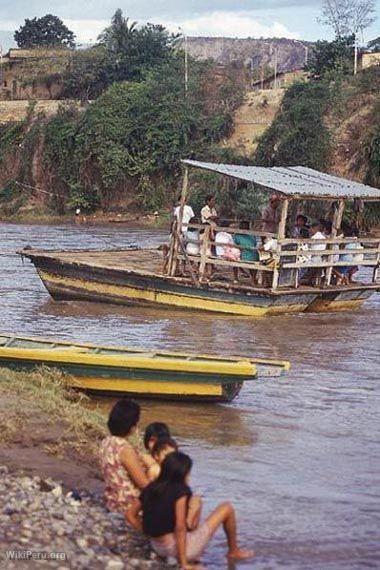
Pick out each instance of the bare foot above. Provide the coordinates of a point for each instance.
(240, 554)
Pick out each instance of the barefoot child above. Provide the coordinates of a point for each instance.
(165, 507)
(153, 432)
(160, 451)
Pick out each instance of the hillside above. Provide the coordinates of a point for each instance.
(290, 54)
(333, 127)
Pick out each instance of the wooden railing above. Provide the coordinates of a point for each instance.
(291, 256)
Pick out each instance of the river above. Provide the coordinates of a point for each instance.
(298, 456)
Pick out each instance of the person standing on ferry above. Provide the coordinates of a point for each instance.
(209, 214)
(187, 214)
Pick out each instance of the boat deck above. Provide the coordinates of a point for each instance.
(150, 262)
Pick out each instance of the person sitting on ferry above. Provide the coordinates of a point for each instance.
(325, 227)
(224, 242)
(301, 227)
(192, 238)
(344, 274)
(164, 506)
(311, 275)
(122, 466)
(248, 243)
(225, 247)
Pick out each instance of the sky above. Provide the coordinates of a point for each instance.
(233, 18)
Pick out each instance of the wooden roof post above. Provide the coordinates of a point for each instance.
(280, 236)
(177, 233)
(336, 223)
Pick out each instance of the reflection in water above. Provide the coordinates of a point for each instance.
(217, 425)
(299, 456)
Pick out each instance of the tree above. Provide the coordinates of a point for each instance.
(336, 56)
(348, 17)
(118, 37)
(133, 50)
(48, 31)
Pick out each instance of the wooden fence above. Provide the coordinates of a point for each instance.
(290, 257)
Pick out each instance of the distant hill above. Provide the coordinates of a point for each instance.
(291, 54)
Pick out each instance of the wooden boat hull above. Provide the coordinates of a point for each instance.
(68, 277)
(132, 372)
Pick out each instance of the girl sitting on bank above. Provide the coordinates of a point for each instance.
(165, 510)
(121, 463)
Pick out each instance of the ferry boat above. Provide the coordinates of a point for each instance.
(176, 279)
(137, 372)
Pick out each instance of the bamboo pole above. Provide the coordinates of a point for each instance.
(337, 221)
(280, 235)
(204, 249)
(177, 231)
(376, 269)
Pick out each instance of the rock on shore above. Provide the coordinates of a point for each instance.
(39, 516)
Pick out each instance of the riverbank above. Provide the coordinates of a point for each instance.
(49, 479)
(154, 221)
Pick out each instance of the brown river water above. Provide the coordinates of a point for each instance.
(298, 456)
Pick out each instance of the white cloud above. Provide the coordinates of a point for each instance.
(86, 31)
(241, 24)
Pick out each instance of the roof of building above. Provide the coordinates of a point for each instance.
(294, 181)
(37, 53)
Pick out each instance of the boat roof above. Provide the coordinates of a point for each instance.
(293, 181)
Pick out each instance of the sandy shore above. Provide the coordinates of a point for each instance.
(50, 488)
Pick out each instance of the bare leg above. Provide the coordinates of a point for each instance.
(224, 515)
(236, 274)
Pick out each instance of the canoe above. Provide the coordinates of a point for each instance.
(138, 372)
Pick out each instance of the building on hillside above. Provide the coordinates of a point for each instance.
(33, 73)
(370, 59)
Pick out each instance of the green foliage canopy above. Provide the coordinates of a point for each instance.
(336, 57)
(48, 31)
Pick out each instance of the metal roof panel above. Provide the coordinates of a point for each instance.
(293, 180)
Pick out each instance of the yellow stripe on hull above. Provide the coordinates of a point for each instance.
(57, 357)
(164, 298)
(147, 388)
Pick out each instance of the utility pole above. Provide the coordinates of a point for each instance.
(186, 67)
(186, 60)
(355, 55)
(1, 68)
(275, 66)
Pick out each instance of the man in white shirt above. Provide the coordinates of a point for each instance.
(188, 213)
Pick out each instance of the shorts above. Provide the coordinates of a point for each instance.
(196, 542)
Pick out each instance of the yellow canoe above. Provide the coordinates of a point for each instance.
(138, 372)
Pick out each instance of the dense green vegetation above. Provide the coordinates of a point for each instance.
(124, 52)
(48, 31)
(298, 136)
(131, 139)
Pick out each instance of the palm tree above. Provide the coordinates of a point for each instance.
(118, 36)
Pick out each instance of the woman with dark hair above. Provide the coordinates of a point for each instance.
(165, 511)
(121, 463)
